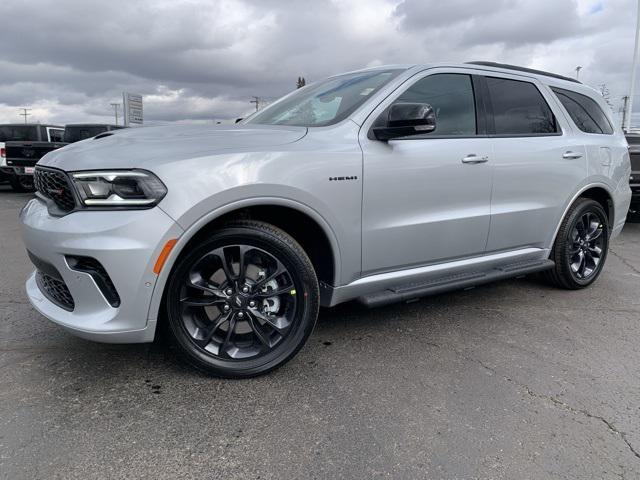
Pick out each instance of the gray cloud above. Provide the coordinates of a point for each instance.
(201, 60)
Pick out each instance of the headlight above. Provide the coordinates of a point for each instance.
(118, 188)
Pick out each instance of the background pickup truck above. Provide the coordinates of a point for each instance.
(633, 139)
(23, 146)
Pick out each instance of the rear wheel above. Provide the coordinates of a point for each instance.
(244, 301)
(22, 183)
(581, 246)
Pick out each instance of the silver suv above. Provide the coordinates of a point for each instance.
(381, 185)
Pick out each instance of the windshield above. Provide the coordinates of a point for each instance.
(326, 102)
(18, 133)
(75, 134)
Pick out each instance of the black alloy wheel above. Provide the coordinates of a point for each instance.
(244, 301)
(581, 245)
(587, 245)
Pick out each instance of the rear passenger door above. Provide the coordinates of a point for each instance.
(537, 162)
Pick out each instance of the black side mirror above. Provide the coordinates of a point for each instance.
(406, 119)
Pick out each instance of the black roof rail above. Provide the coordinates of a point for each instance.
(524, 69)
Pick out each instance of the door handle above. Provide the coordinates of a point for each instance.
(473, 158)
(571, 155)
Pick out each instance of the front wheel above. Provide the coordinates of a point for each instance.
(243, 301)
(581, 246)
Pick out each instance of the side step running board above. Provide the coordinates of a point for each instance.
(412, 291)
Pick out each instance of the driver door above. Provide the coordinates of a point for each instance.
(426, 198)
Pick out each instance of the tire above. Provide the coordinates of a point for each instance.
(22, 183)
(568, 249)
(259, 312)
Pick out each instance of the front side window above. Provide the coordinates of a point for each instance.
(519, 108)
(451, 97)
(327, 102)
(584, 111)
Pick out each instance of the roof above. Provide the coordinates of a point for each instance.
(29, 125)
(91, 125)
(490, 66)
(506, 66)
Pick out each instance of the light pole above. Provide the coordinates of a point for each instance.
(115, 109)
(627, 117)
(578, 72)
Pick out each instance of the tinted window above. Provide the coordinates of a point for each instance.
(56, 135)
(77, 133)
(519, 108)
(451, 96)
(18, 133)
(584, 111)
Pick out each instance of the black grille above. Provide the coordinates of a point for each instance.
(55, 290)
(54, 185)
(94, 268)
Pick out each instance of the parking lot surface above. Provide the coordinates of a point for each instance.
(511, 380)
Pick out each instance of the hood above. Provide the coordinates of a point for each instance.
(148, 146)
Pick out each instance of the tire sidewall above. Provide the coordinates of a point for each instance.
(574, 217)
(307, 303)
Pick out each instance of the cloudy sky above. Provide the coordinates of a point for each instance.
(201, 60)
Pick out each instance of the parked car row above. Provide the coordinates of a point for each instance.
(22, 145)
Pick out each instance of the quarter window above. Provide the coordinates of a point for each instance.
(519, 108)
(56, 135)
(584, 111)
(452, 100)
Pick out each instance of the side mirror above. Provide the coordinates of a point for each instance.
(404, 120)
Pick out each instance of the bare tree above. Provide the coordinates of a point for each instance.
(606, 94)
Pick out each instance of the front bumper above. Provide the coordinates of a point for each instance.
(125, 242)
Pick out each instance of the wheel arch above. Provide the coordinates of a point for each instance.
(599, 192)
(300, 221)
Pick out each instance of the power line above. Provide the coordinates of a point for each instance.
(25, 113)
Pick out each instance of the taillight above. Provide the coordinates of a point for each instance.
(3, 153)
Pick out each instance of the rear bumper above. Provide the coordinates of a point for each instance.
(126, 243)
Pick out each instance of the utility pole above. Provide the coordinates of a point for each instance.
(578, 68)
(256, 100)
(625, 101)
(25, 113)
(115, 109)
(627, 125)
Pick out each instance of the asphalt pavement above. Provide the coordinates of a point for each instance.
(515, 380)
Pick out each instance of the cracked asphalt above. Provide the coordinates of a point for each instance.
(508, 381)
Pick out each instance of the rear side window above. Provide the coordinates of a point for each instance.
(56, 135)
(519, 108)
(584, 111)
(451, 96)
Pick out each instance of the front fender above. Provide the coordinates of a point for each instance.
(202, 221)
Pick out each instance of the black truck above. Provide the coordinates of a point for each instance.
(23, 145)
(633, 139)
(22, 156)
(81, 131)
